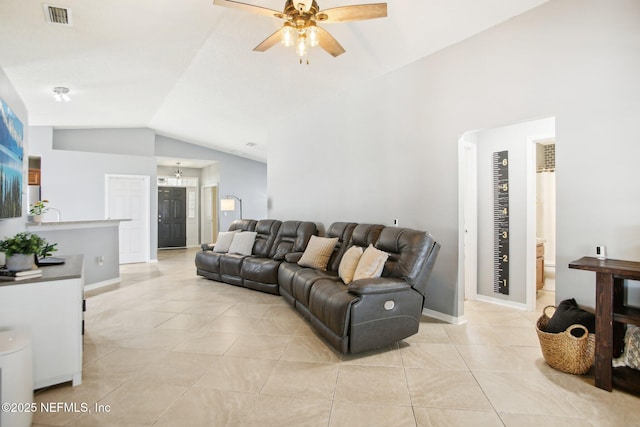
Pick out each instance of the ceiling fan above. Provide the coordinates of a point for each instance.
(301, 17)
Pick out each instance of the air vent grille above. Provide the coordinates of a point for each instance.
(57, 15)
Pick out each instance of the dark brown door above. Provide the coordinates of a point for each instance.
(172, 217)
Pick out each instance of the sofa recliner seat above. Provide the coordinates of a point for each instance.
(295, 280)
(261, 273)
(231, 264)
(376, 312)
(208, 262)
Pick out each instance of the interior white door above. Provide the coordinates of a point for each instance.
(128, 198)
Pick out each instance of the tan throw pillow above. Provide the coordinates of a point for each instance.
(371, 263)
(243, 243)
(349, 263)
(318, 252)
(224, 241)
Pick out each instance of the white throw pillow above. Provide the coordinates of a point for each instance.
(318, 252)
(243, 243)
(224, 241)
(349, 263)
(371, 263)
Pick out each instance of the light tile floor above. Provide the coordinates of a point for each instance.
(168, 348)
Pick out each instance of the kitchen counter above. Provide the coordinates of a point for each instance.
(98, 240)
(34, 227)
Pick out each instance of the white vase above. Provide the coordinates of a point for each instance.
(20, 262)
(37, 218)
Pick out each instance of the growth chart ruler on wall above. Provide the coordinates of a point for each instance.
(501, 222)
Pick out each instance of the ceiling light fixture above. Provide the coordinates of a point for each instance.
(61, 94)
(300, 28)
(302, 31)
(178, 173)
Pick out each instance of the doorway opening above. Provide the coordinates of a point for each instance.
(545, 221)
(477, 250)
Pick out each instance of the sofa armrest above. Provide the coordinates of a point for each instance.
(293, 257)
(207, 246)
(378, 285)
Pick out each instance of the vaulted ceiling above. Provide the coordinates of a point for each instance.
(186, 68)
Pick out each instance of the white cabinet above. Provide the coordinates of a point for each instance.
(50, 309)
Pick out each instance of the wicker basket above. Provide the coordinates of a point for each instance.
(563, 351)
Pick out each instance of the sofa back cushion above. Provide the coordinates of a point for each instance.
(243, 225)
(266, 232)
(293, 236)
(343, 231)
(365, 235)
(411, 255)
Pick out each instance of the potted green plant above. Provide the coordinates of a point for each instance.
(38, 209)
(21, 250)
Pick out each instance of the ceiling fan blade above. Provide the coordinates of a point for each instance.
(329, 43)
(353, 13)
(248, 8)
(269, 42)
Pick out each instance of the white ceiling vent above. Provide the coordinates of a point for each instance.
(57, 14)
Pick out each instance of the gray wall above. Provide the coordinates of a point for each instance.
(9, 227)
(92, 243)
(388, 148)
(244, 178)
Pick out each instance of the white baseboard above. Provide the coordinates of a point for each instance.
(444, 317)
(497, 301)
(102, 284)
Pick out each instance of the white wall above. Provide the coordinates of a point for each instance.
(388, 148)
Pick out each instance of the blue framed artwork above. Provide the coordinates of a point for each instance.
(11, 157)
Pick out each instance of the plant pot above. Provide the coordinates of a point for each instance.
(37, 218)
(20, 262)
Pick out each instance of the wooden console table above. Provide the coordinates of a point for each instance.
(611, 316)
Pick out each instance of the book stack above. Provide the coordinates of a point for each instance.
(9, 275)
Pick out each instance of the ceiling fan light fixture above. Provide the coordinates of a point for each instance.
(300, 28)
(301, 45)
(288, 34)
(312, 34)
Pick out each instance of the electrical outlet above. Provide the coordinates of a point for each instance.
(395, 222)
(100, 261)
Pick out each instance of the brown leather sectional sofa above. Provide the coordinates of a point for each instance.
(365, 314)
